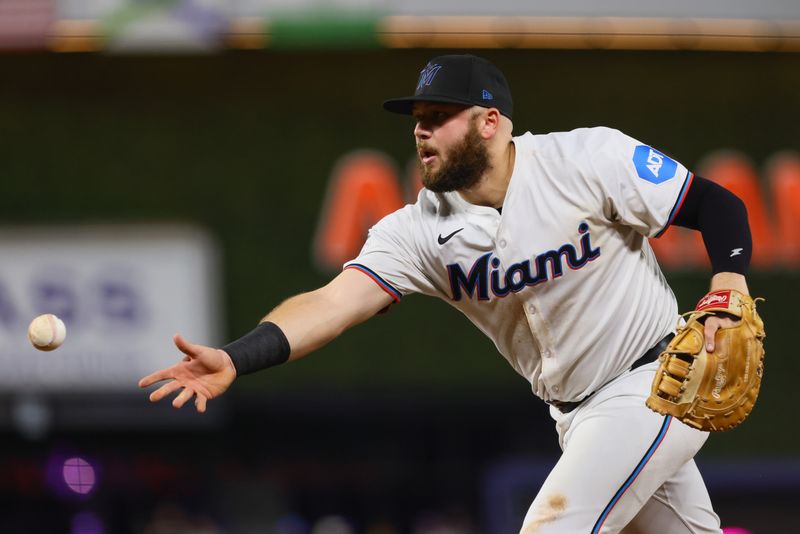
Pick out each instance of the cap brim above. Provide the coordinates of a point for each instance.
(405, 106)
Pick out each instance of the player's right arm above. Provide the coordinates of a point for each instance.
(311, 320)
(296, 327)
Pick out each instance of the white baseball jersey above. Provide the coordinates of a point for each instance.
(564, 280)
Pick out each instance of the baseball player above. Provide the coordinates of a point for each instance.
(542, 242)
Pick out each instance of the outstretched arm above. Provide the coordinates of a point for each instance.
(311, 320)
(308, 321)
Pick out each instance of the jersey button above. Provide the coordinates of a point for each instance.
(502, 243)
(546, 354)
(555, 388)
(531, 309)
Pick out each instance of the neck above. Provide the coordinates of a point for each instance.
(491, 189)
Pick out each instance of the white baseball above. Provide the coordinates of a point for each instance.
(47, 332)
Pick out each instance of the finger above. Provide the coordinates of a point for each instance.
(200, 403)
(727, 322)
(165, 390)
(710, 331)
(189, 349)
(182, 397)
(152, 378)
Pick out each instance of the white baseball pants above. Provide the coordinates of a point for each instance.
(624, 468)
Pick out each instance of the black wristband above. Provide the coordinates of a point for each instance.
(264, 346)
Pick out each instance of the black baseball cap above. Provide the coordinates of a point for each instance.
(458, 79)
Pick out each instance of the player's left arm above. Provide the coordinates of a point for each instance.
(721, 218)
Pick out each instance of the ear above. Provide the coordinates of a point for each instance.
(490, 123)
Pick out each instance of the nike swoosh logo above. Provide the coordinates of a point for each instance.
(443, 240)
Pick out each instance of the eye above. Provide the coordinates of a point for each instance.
(433, 117)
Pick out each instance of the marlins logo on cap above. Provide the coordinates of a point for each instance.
(427, 75)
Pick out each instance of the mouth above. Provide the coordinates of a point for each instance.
(427, 155)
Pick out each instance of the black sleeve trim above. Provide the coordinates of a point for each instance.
(721, 217)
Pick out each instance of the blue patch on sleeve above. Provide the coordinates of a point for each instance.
(652, 165)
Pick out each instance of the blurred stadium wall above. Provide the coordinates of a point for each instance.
(238, 120)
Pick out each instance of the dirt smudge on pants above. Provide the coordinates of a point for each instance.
(553, 509)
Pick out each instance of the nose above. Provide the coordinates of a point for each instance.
(421, 131)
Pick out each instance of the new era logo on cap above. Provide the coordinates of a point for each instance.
(458, 79)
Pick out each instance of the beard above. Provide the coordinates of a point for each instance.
(464, 166)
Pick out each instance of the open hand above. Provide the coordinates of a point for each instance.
(204, 373)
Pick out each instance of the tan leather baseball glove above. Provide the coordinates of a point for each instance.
(712, 391)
